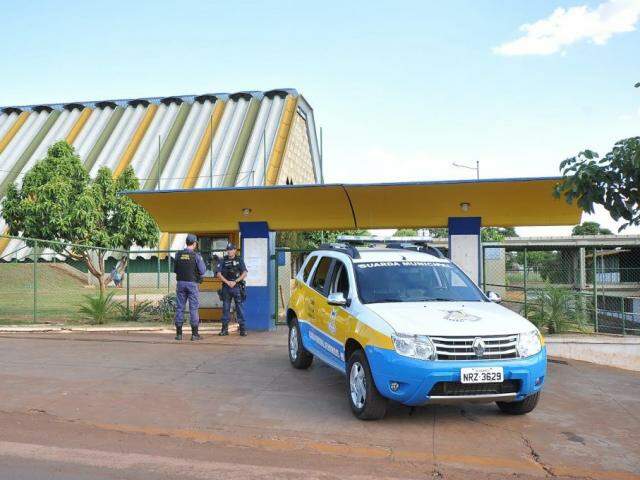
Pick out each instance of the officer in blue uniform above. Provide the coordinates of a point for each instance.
(232, 271)
(189, 269)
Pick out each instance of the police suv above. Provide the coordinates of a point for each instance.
(410, 326)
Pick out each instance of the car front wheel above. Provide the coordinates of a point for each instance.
(525, 405)
(298, 356)
(364, 398)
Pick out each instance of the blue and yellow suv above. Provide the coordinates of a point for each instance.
(411, 327)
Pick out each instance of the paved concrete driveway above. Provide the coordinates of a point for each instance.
(96, 406)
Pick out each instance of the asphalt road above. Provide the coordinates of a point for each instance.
(141, 406)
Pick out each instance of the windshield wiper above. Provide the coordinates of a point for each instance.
(386, 300)
(436, 299)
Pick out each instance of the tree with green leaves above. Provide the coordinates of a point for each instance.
(590, 228)
(59, 201)
(406, 232)
(612, 181)
(497, 234)
(442, 232)
(313, 239)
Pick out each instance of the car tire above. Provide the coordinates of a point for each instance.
(364, 398)
(299, 357)
(521, 407)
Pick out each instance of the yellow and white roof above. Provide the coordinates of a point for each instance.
(178, 142)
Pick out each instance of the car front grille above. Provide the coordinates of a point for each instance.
(456, 389)
(461, 348)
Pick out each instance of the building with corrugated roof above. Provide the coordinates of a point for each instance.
(178, 142)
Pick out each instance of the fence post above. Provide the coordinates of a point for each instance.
(595, 291)
(277, 284)
(35, 281)
(128, 304)
(524, 281)
(169, 272)
(484, 270)
(622, 311)
(158, 269)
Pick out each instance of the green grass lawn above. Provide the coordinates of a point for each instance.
(59, 294)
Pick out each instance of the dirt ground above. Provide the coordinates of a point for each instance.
(140, 406)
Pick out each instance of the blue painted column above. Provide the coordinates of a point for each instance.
(257, 246)
(464, 245)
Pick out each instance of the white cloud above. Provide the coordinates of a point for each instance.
(630, 116)
(566, 26)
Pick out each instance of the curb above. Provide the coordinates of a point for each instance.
(85, 329)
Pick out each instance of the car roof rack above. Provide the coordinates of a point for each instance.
(417, 247)
(342, 248)
(416, 244)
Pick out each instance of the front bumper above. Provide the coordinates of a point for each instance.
(416, 378)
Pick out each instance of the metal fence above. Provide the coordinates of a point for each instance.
(288, 262)
(46, 282)
(589, 289)
(592, 289)
(562, 290)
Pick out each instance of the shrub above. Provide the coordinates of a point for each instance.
(136, 311)
(558, 309)
(98, 309)
(166, 308)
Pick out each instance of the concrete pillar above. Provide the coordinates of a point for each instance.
(258, 245)
(464, 245)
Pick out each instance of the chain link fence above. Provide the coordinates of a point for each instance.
(585, 289)
(573, 289)
(289, 262)
(51, 282)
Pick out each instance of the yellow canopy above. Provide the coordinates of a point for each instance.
(502, 202)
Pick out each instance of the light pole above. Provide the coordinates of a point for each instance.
(476, 168)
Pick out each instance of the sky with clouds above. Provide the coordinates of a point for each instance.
(402, 89)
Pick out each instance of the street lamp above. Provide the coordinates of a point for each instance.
(476, 168)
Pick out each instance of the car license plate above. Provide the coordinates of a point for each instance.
(481, 375)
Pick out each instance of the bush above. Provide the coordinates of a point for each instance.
(136, 312)
(558, 310)
(98, 309)
(166, 308)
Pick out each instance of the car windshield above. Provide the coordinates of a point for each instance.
(414, 281)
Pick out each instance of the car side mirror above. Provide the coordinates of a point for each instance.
(337, 299)
(494, 297)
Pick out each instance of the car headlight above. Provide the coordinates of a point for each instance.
(529, 343)
(414, 346)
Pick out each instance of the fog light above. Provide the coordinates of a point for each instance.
(539, 381)
(394, 386)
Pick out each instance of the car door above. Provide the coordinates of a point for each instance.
(321, 342)
(317, 306)
(339, 317)
(301, 296)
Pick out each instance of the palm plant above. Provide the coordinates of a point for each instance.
(136, 312)
(98, 308)
(558, 309)
(166, 308)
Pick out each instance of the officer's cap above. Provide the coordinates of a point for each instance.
(191, 239)
(231, 246)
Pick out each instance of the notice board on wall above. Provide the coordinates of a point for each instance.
(256, 257)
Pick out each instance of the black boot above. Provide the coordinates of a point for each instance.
(194, 333)
(178, 332)
(224, 331)
(243, 331)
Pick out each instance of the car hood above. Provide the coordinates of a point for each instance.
(451, 318)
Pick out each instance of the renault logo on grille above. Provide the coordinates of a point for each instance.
(478, 347)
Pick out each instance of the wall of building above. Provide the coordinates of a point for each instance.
(297, 165)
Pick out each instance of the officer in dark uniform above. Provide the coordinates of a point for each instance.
(189, 269)
(232, 271)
